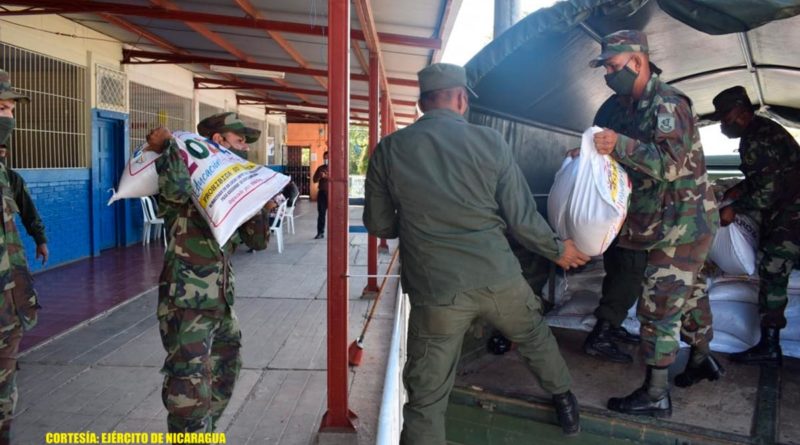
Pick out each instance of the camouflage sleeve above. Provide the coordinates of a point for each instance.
(174, 182)
(663, 159)
(518, 208)
(380, 213)
(763, 170)
(27, 209)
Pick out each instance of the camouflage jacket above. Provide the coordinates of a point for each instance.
(14, 272)
(672, 201)
(197, 271)
(27, 209)
(771, 166)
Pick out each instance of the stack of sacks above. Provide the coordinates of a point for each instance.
(577, 295)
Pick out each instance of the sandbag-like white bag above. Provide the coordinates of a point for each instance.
(734, 247)
(597, 204)
(139, 178)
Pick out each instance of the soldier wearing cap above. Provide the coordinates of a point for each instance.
(449, 189)
(18, 300)
(650, 128)
(199, 329)
(770, 161)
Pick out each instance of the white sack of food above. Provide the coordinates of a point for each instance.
(139, 178)
(560, 192)
(734, 247)
(597, 204)
(739, 321)
(740, 291)
(227, 189)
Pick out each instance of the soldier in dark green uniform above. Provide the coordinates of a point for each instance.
(199, 329)
(672, 216)
(448, 190)
(18, 300)
(771, 186)
(27, 209)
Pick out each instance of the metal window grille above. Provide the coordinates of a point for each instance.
(112, 89)
(51, 129)
(258, 149)
(151, 107)
(209, 110)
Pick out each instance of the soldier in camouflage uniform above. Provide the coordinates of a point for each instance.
(27, 209)
(199, 329)
(771, 187)
(672, 216)
(18, 301)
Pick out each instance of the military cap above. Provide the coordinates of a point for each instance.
(224, 122)
(624, 41)
(440, 76)
(6, 92)
(728, 99)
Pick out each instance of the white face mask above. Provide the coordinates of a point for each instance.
(326, 162)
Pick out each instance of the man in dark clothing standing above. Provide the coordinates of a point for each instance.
(321, 176)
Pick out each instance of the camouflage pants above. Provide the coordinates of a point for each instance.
(10, 336)
(202, 364)
(674, 304)
(778, 254)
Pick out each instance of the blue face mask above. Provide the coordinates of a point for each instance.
(7, 125)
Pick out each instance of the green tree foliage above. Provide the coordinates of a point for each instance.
(359, 142)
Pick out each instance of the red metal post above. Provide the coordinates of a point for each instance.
(338, 417)
(374, 115)
(385, 117)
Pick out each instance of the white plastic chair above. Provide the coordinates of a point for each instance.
(151, 221)
(289, 216)
(276, 227)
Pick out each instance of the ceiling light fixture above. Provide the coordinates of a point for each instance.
(248, 72)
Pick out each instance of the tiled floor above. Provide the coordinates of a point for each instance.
(78, 291)
(104, 376)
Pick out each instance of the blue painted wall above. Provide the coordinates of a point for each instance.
(63, 200)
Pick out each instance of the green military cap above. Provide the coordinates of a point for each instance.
(224, 122)
(440, 76)
(624, 41)
(6, 91)
(729, 99)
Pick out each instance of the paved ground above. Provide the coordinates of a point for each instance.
(104, 376)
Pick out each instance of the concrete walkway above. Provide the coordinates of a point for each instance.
(104, 376)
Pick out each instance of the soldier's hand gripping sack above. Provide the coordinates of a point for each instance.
(589, 199)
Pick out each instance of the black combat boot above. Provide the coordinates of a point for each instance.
(600, 344)
(622, 334)
(567, 413)
(652, 399)
(766, 352)
(697, 369)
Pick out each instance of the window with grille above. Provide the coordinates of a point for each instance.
(258, 149)
(150, 108)
(112, 89)
(209, 110)
(51, 128)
